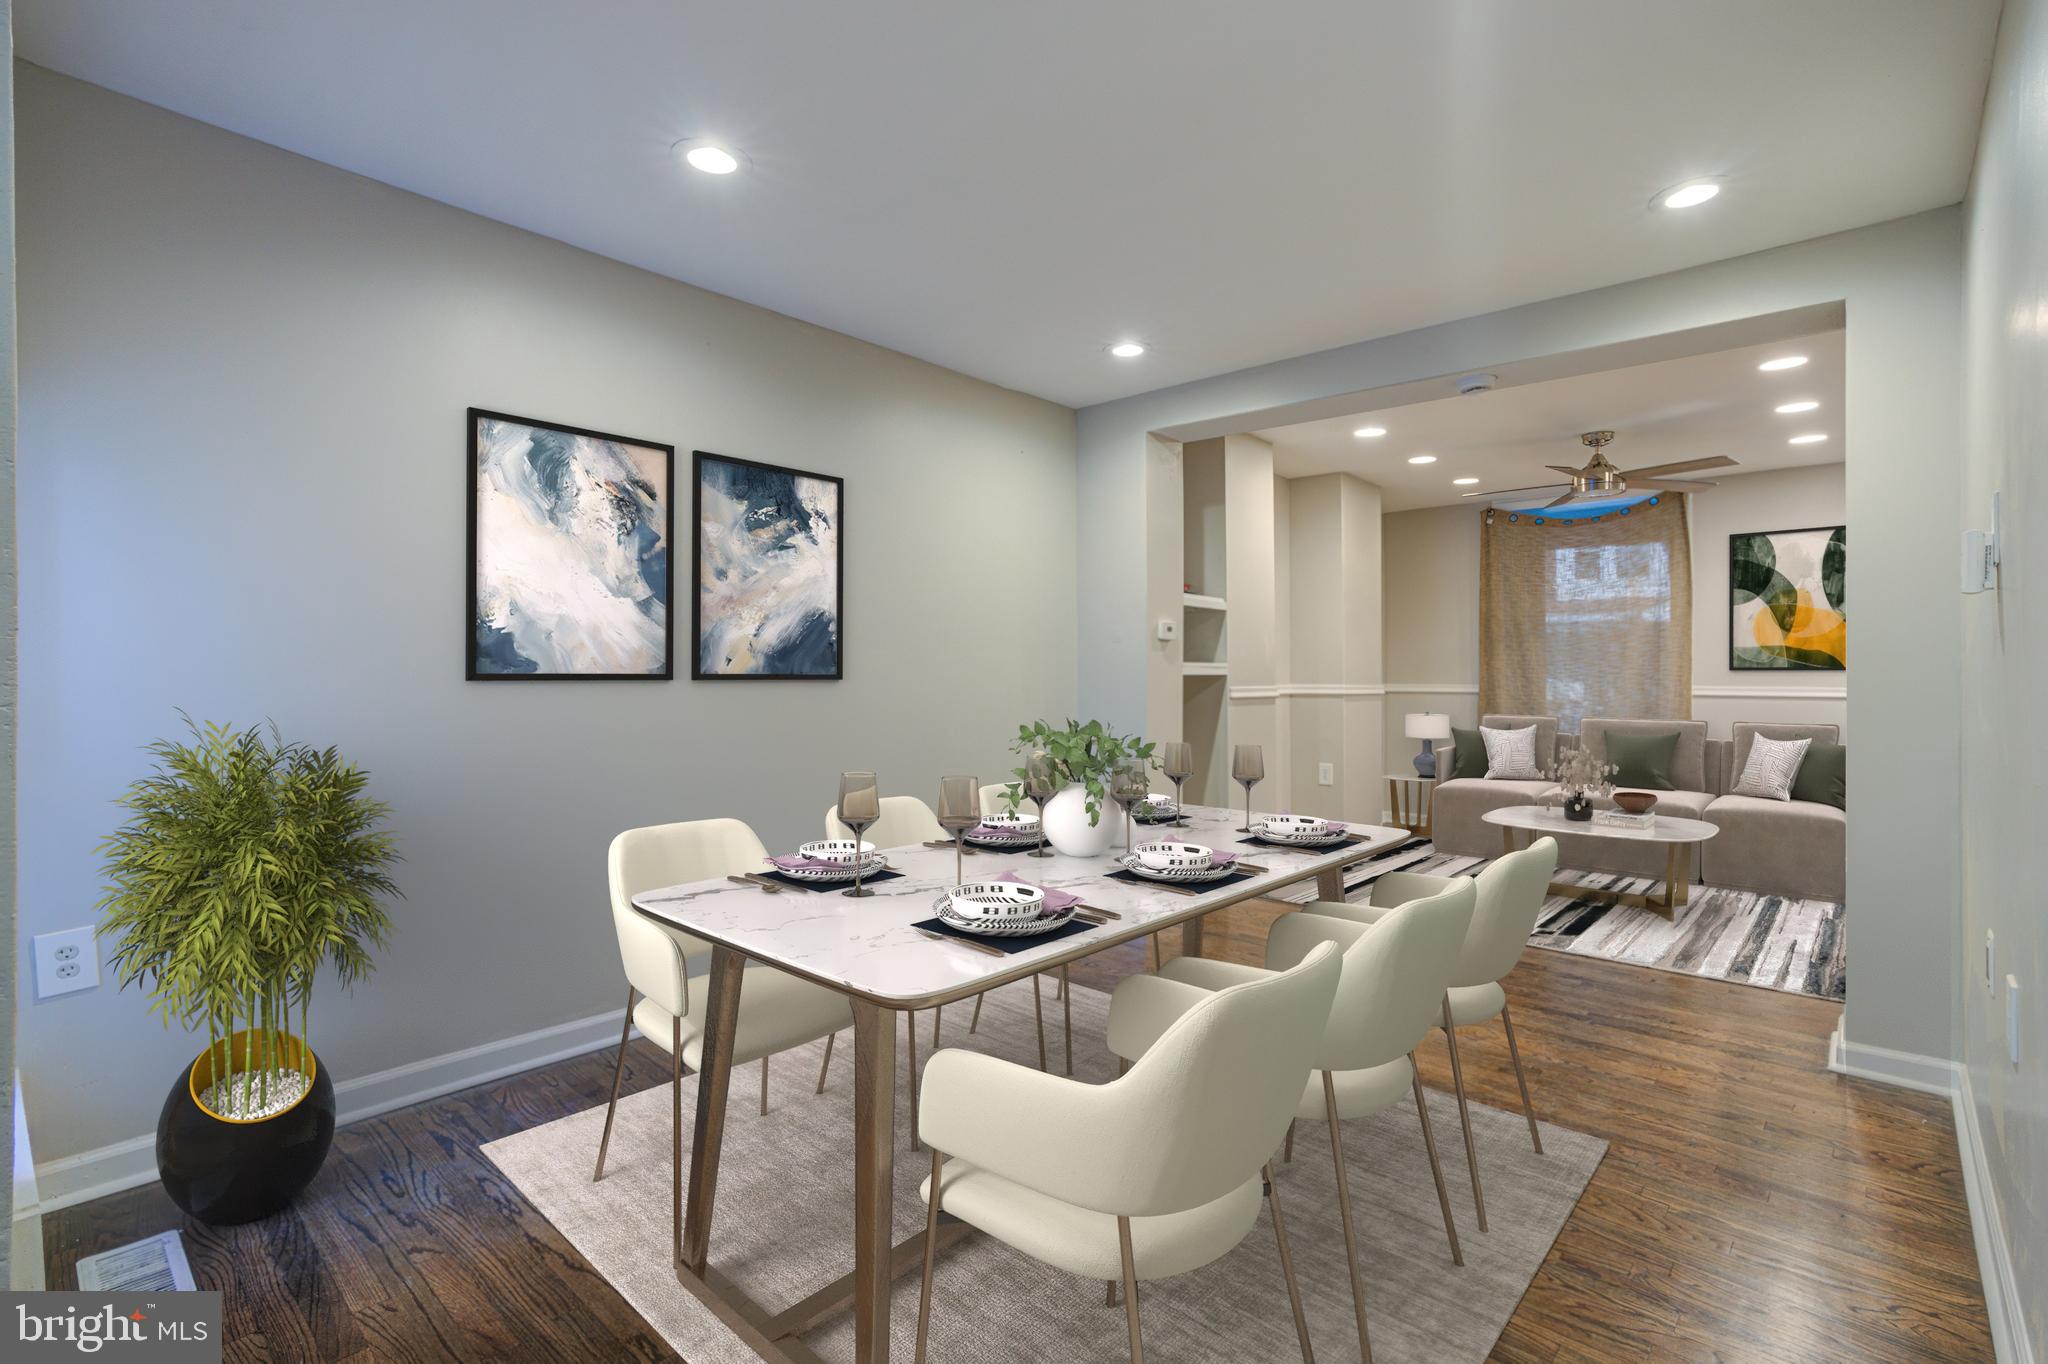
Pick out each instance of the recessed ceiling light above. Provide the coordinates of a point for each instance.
(1127, 350)
(1691, 194)
(1370, 432)
(1787, 409)
(1422, 459)
(1810, 438)
(1782, 362)
(1461, 482)
(708, 157)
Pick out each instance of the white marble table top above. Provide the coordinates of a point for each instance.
(868, 947)
(1667, 829)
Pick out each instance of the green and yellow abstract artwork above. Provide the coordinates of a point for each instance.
(1787, 606)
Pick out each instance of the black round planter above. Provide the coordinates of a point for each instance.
(1578, 806)
(226, 1170)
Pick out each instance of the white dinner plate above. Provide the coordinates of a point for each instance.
(1184, 876)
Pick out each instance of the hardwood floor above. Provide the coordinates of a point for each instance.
(1752, 1206)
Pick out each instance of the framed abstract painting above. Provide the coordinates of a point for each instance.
(570, 535)
(1787, 599)
(769, 596)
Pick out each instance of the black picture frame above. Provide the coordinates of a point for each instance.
(478, 415)
(1736, 663)
(697, 673)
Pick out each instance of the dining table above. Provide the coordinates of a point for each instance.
(870, 950)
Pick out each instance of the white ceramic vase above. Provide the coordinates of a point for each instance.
(1067, 827)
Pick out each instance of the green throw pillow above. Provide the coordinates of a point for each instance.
(1644, 759)
(1824, 775)
(1467, 759)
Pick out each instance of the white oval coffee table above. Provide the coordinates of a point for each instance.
(1678, 834)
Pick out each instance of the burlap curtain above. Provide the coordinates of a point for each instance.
(1588, 615)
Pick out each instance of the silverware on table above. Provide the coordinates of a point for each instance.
(946, 845)
(762, 882)
(964, 942)
(1097, 909)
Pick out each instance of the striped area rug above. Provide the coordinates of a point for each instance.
(1770, 941)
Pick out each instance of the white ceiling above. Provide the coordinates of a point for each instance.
(1006, 189)
(1715, 404)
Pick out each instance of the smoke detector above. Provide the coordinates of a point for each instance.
(1476, 383)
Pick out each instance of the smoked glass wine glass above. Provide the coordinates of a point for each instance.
(1248, 769)
(1129, 783)
(860, 805)
(1041, 783)
(1177, 761)
(959, 811)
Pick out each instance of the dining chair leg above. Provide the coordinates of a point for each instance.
(826, 1069)
(974, 1024)
(1123, 1241)
(764, 1086)
(1287, 1152)
(1308, 1354)
(1515, 1055)
(1344, 1213)
(619, 1070)
(1464, 1112)
(1155, 954)
(1038, 1010)
(931, 1254)
(1436, 1167)
(1068, 1023)
(675, 1091)
(910, 1031)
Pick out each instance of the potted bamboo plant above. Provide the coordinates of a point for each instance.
(246, 863)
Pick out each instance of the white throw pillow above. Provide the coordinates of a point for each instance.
(1772, 767)
(1511, 754)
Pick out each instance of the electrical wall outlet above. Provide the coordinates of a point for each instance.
(1326, 774)
(66, 962)
(2012, 1018)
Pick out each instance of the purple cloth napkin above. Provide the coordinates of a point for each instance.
(1056, 901)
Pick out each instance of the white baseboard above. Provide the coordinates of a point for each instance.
(130, 1163)
(1928, 1074)
(2009, 1339)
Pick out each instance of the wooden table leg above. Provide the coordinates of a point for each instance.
(874, 1176)
(1682, 891)
(1507, 839)
(1191, 938)
(721, 1021)
(1330, 884)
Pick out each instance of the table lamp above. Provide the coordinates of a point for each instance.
(1428, 726)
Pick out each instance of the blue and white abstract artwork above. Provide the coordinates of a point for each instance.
(570, 534)
(767, 571)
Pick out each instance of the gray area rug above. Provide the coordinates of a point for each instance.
(1798, 946)
(785, 1223)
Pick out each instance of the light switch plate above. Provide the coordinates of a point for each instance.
(66, 962)
(1326, 774)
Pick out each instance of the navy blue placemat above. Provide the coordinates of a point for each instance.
(1067, 930)
(1189, 887)
(820, 886)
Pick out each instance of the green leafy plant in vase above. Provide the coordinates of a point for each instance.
(1082, 756)
(246, 864)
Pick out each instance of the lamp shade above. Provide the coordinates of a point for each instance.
(1429, 725)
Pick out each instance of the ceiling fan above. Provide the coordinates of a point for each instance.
(1601, 479)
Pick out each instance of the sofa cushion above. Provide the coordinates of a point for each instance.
(1468, 755)
(1511, 754)
(1772, 767)
(1743, 731)
(1791, 848)
(1688, 769)
(1824, 777)
(1643, 761)
(1546, 733)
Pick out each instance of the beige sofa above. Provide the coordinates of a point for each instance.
(1791, 848)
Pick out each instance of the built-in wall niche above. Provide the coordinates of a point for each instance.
(1204, 636)
(1206, 728)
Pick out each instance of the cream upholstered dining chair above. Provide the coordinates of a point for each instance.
(1394, 977)
(777, 1010)
(905, 821)
(1156, 1173)
(1511, 889)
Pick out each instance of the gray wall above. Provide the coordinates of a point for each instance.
(244, 377)
(2005, 654)
(1900, 284)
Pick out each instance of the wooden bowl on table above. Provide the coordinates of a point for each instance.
(1635, 802)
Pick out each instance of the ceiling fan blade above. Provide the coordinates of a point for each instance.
(1565, 469)
(1683, 466)
(1509, 492)
(1671, 485)
(1560, 501)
